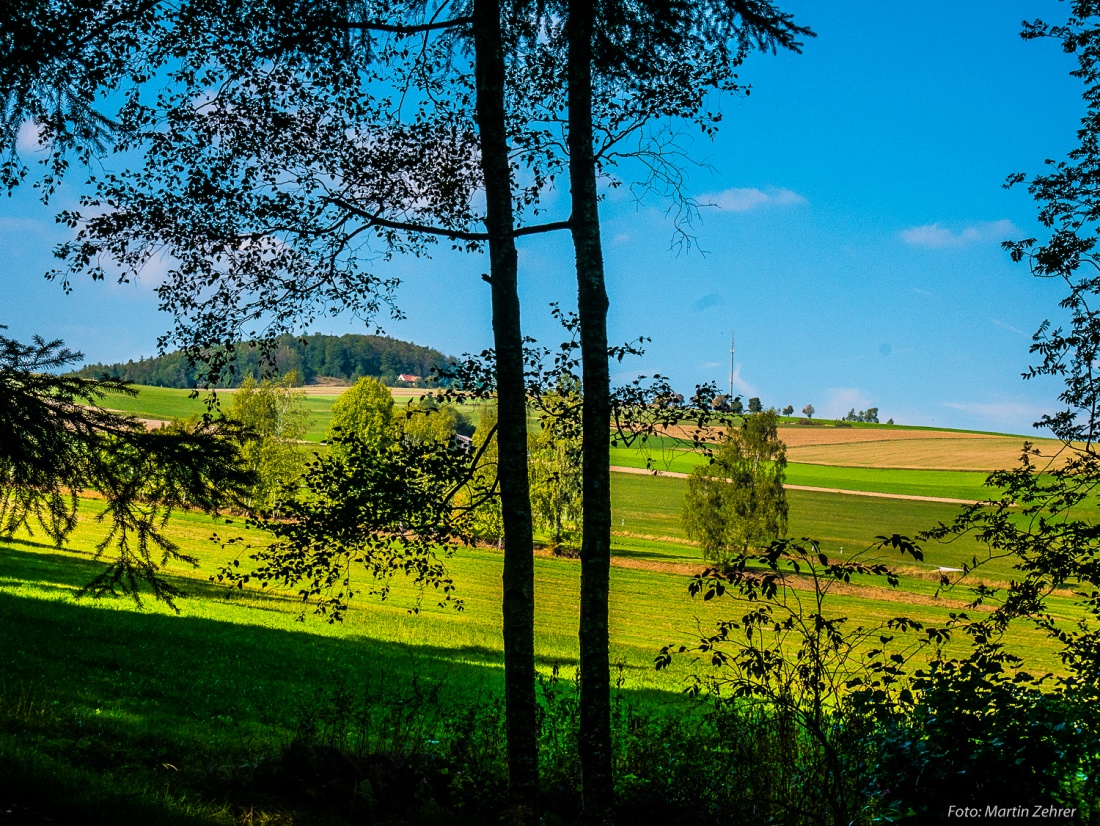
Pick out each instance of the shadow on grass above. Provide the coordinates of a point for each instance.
(122, 693)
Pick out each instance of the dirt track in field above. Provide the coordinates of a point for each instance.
(674, 475)
(799, 582)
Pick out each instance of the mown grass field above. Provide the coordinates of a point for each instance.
(166, 403)
(147, 717)
(108, 701)
(894, 446)
(952, 484)
(646, 518)
(50, 636)
(140, 715)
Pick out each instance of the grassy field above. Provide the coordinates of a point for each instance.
(859, 446)
(157, 698)
(138, 711)
(646, 518)
(166, 403)
(953, 484)
(650, 607)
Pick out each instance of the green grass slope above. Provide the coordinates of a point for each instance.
(145, 716)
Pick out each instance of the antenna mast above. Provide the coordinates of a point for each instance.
(731, 369)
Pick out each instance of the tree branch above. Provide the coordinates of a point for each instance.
(453, 234)
(392, 28)
(535, 229)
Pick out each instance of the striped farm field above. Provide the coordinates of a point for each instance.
(934, 450)
(950, 484)
(646, 521)
(872, 446)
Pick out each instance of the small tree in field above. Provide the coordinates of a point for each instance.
(272, 412)
(426, 421)
(788, 410)
(555, 468)
(808, 411)
(755, 406)
(364, 411)
(738, 502)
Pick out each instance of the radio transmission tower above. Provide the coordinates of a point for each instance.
(731, 369)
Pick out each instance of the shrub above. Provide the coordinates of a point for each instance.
(978, 735)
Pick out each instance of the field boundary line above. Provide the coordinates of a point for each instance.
(911, 496)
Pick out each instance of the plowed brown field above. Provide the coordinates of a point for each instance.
(904, 449)
(915, 449)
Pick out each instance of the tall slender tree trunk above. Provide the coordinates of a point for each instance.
(519, 568)
(595, 733)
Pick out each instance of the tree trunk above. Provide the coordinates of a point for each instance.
(595, 733)
(519, 569)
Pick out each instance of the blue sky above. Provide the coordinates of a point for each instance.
(853, 243)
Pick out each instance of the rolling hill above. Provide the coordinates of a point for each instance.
(315, 357)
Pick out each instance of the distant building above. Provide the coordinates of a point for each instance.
(408, 377)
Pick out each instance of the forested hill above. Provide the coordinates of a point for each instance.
(346, 357)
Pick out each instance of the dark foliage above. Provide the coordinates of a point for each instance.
(405, 756)
(811, 680)
(56, 442)
(980, 733)
(384, 508)
(849, 731)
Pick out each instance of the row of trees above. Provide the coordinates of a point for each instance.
(347, 358)
(734, 405)
(868, 415)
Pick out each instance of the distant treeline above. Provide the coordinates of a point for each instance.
(347, 357)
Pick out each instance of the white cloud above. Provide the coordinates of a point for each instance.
(155, 271)
(29, 138)
(740, 199)
(741, 386)
(842, 399)
(938, 236)
(1008, 327)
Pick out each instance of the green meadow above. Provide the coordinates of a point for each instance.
(166, 403)
(662, 454)
(951, 484)
(139, 661)
(111, 701)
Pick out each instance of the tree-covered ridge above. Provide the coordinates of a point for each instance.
(348, 357)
